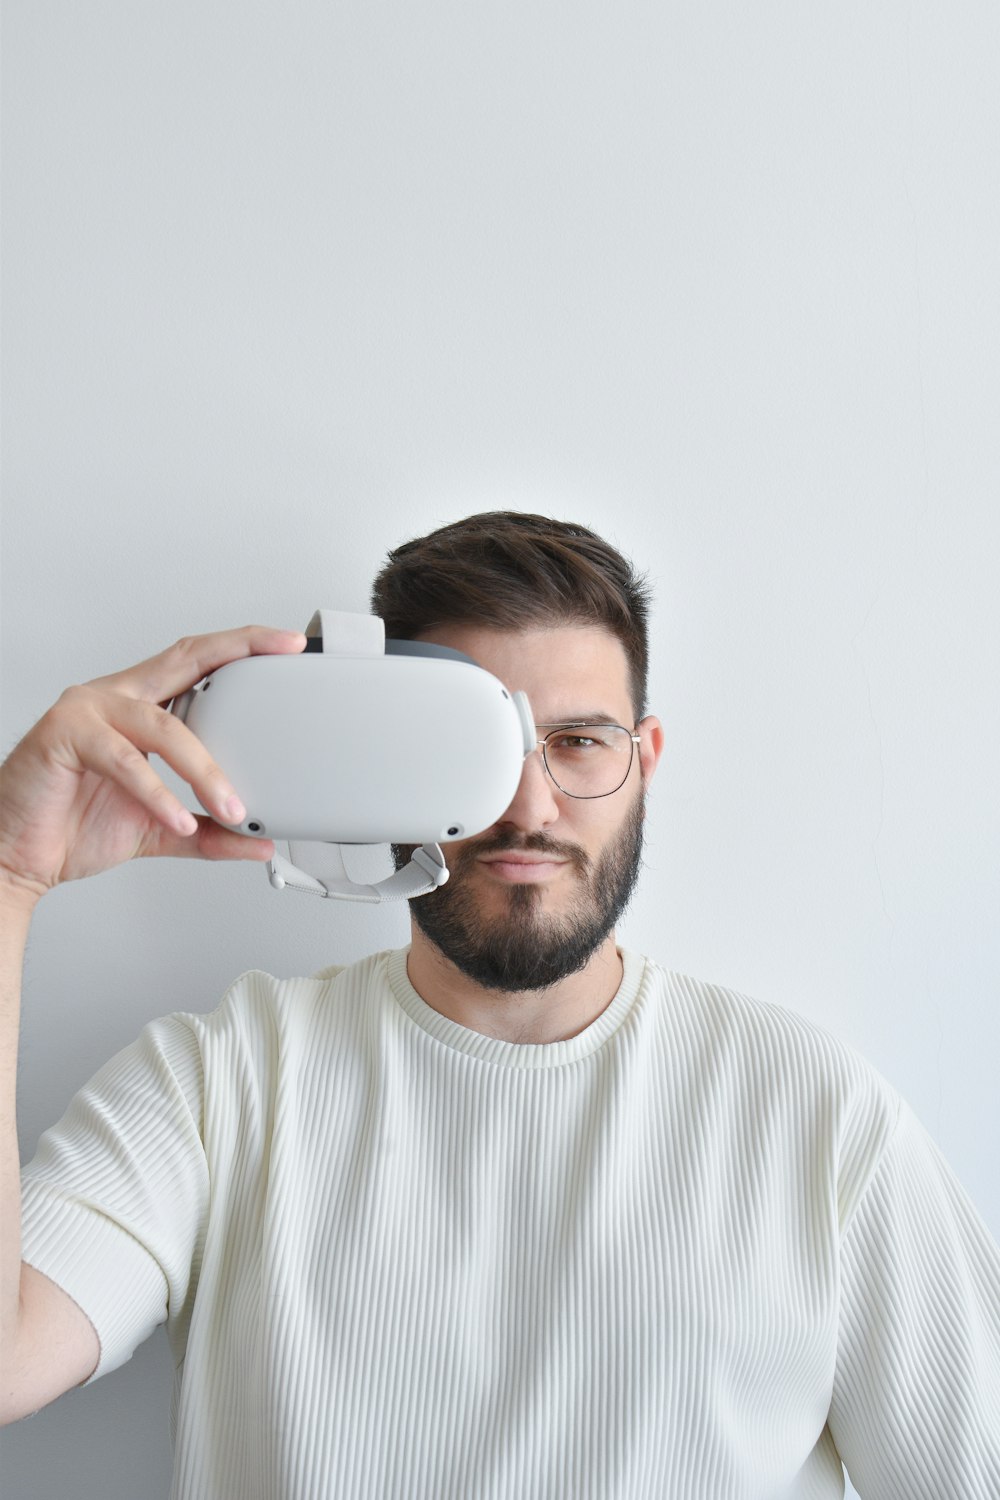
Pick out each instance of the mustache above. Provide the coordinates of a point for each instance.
(533, 843)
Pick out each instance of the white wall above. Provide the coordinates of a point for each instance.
(285, 285)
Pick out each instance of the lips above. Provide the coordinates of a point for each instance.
(520, 859)
(522, 868)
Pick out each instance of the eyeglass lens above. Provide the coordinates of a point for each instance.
(589, 760)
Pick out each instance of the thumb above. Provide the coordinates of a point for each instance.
(209, 841)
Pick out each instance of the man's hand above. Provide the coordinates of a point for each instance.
(78, 794)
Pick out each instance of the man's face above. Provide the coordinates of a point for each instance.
(531, 899)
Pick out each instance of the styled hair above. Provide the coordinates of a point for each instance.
(512, 570)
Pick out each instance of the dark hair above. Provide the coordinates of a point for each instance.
(511, 570)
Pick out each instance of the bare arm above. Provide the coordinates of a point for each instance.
(78, 796)
(48, 1343)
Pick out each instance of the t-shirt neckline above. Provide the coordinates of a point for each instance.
(517, 1054)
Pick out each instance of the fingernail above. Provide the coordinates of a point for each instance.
(235, 809)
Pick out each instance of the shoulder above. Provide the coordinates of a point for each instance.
(764, 1035)
(261, 1012)
(781, 1075)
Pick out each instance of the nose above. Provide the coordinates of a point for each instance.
(535, 804)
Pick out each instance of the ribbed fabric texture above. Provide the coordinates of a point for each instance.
(699, 1250)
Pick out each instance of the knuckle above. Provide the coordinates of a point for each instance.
(211, 771)
(167, 725)
(126, 758)
(75, 696)
(59, 723)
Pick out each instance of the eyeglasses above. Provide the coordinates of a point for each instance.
(588, 760)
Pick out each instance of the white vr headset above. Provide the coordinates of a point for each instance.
(360, 740)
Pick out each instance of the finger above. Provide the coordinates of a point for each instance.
(208, 841)
(161, 678)
(101, 748)
(152, 730)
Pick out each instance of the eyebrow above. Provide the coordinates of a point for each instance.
(581, 718)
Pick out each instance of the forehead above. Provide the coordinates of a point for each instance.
(567, 671)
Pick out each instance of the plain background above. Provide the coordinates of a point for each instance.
(287, 285)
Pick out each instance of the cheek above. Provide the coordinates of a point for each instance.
(596, 828)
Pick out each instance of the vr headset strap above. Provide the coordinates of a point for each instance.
(425, 871)
(345, 634)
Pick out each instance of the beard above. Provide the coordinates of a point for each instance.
(522, 948)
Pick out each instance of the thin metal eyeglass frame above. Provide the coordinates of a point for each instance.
(587, 724)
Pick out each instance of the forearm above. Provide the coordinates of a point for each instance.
(16, 907)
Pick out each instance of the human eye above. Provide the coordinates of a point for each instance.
(578, 741)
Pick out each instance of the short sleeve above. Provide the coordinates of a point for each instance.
(916, 1408)
(116, 1197)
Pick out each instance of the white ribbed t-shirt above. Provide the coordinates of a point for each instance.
(698, 1251)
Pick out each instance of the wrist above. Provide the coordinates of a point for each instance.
(19, 894)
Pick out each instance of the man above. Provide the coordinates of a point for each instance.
(511, 1212)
